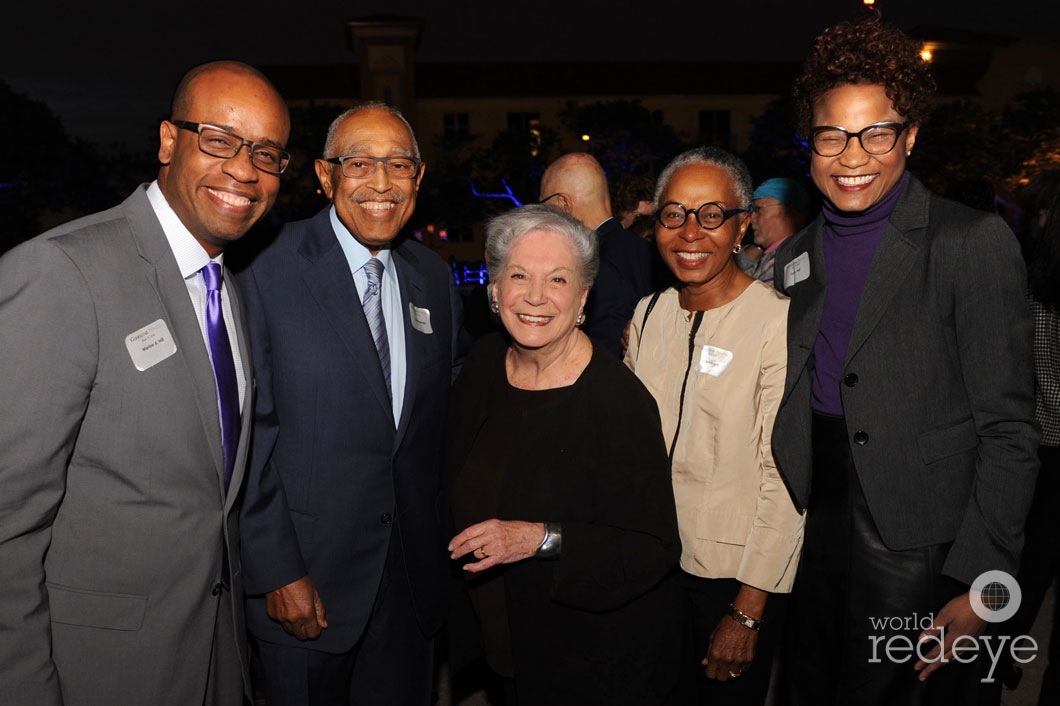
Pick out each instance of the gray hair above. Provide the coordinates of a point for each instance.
(738, 173)
(333, 130)
(505, 230)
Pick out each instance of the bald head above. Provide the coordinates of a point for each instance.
(183, 96)
(576, 184)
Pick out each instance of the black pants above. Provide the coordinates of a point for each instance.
(391, 665)
(705, 602)
(854, 598)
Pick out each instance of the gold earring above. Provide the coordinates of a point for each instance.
(737, 248)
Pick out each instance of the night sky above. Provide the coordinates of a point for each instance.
(108, 70)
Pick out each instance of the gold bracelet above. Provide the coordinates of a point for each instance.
(744, 619)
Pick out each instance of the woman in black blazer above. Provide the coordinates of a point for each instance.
(906, 426)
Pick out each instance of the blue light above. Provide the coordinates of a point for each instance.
(506, 195)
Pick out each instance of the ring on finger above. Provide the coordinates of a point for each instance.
(733, 675)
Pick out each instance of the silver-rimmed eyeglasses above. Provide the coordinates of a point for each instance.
(712, 215)
(218, 142)
(876, 139)
(358, 166)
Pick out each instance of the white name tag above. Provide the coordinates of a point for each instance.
(797, 270)
(421, 318)
(150, 345)
(713, 361)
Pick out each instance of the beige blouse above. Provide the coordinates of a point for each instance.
(735, 516)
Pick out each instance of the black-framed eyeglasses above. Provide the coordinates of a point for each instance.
(876, 139)
(358, 166)
(550, 197)
(711, 216)
(218, 142)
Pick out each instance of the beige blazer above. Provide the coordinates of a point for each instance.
(734, 513)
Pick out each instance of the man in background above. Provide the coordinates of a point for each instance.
(780, 208)
(575, 183)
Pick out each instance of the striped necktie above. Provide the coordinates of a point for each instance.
(373, 312)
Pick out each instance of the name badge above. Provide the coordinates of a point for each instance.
(713, 361)
(797, 270)
(150, 345)
(421, 318)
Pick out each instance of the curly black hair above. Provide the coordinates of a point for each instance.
(866, 51)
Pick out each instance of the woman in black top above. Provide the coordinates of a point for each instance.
(560, 488)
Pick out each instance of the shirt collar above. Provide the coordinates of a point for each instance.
(186, 249)
(775, 246)
(356, 253)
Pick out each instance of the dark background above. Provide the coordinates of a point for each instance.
(106, 68)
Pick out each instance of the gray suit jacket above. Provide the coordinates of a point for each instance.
(938, 384)
(113, 513)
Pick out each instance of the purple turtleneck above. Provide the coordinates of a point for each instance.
(850, 241)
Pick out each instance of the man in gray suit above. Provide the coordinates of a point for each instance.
(127, 392)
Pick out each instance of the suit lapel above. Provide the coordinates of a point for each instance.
(161, 271)
(807, 303)
(412, 292)
(330, 282)
(246, 414)
(894, 258)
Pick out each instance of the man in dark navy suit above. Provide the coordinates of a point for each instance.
(576, 184)
(354, 340)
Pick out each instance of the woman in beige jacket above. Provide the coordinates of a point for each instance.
(712, 350)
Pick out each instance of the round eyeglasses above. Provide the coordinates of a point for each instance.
(712, 215)
(876, 139)
(218, 142)
(358, 166)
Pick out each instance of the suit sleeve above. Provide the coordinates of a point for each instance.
(48, 362)
(271, 557)
(608, 312)
(994, 337)
(461, 339)
(633, 542)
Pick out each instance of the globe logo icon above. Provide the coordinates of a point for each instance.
(995, 596)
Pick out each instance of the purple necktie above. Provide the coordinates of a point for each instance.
(224, 370)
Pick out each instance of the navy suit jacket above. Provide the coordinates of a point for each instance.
(624, 277)
(330, 478)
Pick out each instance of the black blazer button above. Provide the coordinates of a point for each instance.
(861, 438)
(385, 518)
(850, 379)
